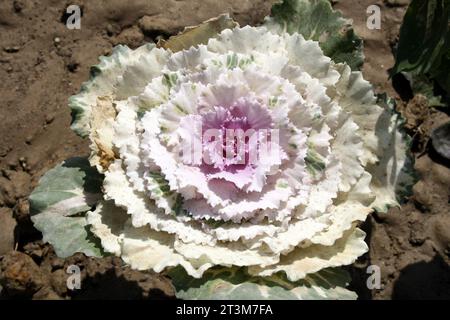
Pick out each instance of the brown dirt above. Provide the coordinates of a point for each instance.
(42, 63)
(40, 274)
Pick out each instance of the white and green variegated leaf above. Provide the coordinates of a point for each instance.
(222, 283)
(316, 20)
(102, 76)
(58, 205)
(107, 79)
(314, 162)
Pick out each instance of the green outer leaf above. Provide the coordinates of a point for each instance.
(316, 20)
(58, 205)
(221, 283)
(68, 235)
(74, 177)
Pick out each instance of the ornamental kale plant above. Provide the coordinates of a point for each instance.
(237, 160)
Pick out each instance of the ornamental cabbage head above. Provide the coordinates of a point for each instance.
(250, 152)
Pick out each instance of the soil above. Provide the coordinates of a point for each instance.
(42, 63)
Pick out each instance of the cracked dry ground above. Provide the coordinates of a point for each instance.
(42, 63)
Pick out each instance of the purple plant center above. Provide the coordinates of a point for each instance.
(230, 135)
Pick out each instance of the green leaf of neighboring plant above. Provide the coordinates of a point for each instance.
(422, 84)
(316, 20)
(424, 37)
(221, 283)
(440, 138)
(442, 75)
(423, 51)
(58, 205)
(193, 36)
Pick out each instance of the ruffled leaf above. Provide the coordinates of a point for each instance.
(301, 262)
(122, 74)
(316, 20)
(235, 283)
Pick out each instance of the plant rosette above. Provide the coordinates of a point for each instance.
(229, 225)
